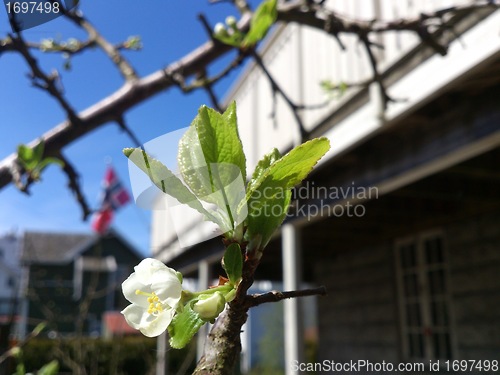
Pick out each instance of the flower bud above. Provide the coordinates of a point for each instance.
(231, 22)
(220, 29)
(15, 351)
(209, 306)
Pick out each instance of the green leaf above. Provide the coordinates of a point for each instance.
(229, 39)
(292, 168)
(183, 327)
(266, 213)
(268, 196)
(211, 158)
(263, 18)
(25, 155)
(233, 263)
(38, 151)
(20, 369)
(165, 180)
(50, 160)
(263, 165)
(51, 368)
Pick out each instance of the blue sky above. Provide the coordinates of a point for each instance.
(168, 29)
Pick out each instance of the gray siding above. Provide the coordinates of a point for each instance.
(357, 317)
(474, 254)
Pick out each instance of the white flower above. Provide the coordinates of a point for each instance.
(154, 291)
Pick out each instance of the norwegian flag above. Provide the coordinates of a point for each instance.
(114, 197)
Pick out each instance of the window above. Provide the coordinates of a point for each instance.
(424, 297)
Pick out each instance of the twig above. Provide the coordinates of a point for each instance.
(123, 126)
(276, 296)
(42, 80)
(113, 53)
(208, 81)
(6, 45)
(74, 186)
(10, 352)
(206, 26)
(275, 87)
(241, 5)
(375, 73)
(213, 98)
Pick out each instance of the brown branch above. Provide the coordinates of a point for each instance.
(206, 26)
(129, 95)
(11, 352)
(334, 24)
(275, 87)
(113, 53)
(123, 126)
(42, 80)
(377, 77)
(6, 45)
(241, 5)
(276, 296)
(74, 186)
(213, 98)
(133, 93)
(202, 82)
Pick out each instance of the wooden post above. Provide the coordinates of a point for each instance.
(294, 347)
(162, 354)
(203, 280)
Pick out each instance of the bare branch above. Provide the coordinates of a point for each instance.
(201, 82)
(241, 5)
(123, 126)
(275, 87)
(74, 186)
(375, 73)
(137, 91)
(129, 95)
(320, 17)
(276, 296)
(42, 80)
(114, 54)
(71, 48)
(213, 98)
(206, 26)
(11, 352)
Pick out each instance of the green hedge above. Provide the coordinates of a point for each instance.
(121, 356)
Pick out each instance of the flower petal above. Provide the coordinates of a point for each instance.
(135, 316)
(129, 287)
(147, 268)
(159, 324)
(167, 286)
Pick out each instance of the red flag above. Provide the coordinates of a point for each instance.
(114, 197)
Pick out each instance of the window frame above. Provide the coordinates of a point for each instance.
(425, 294)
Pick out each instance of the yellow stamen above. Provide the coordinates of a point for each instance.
(155, 306)
(140, 292)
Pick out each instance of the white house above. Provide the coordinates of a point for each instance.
(412, 274)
